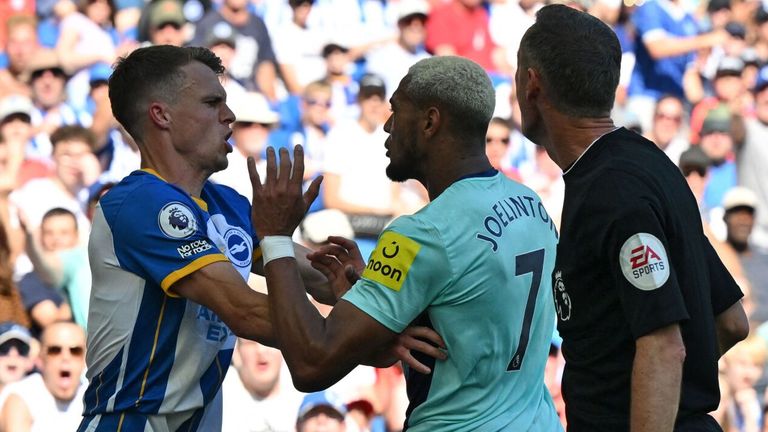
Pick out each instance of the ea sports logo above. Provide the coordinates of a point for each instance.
(176, 220)
(644, 262)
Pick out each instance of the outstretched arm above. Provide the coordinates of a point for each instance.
(318, 351)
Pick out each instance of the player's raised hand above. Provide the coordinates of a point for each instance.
(279, 204)
(340, 261)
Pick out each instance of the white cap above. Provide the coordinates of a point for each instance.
(15, 104)
(252, 107)
(412, 7)
(10, 330)
(739, 196)
(318, 226)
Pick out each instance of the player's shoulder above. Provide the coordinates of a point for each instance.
(226, 193)
(142, 192)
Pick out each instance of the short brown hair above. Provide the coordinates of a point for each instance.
(73, 133)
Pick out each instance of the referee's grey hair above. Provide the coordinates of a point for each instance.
(457, 86)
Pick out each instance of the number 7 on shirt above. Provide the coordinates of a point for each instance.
(531, 262)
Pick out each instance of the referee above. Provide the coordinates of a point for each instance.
(645, 307)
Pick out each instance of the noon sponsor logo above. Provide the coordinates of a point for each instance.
(391, 260)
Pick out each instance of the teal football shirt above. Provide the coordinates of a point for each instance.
(476, 265)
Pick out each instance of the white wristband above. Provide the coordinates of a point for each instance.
(274, 247)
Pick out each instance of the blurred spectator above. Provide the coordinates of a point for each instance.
(61, 260)
(165, 23)
(52, 399)
(719, 13)
(51, 110)
(321, 412)
(258, 394)
(21, 46)
(545, 177)
(85, 40)
(344, 88)
(749, 75)
(16, 129)
(392, 60)
(192, 12)
(14, 120)
(298, 48)
(743, 366)
(250, 131)
(694, 165)
(75, 167)
(729, 91)
(15, 362)
(666, 41)
(254, 63)
(497, 147)
(355, 161)
(460, 27)
(752, 158)
(223, 42)
(11, 306)
(667, 127)
(718, 144)
(315, 119)
(502, 14)
(99, 107)
(309, 130)
(740, 205)
(761, 33)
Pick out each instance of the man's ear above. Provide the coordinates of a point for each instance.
(159, 115)
(532, 85)
(432, 121)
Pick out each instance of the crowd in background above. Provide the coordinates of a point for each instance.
(320, 73)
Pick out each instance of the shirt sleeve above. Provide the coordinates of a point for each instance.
(647, 21)
(266, 53)
(724, 290)
(160, 235)
(405, 273)
(638, 254)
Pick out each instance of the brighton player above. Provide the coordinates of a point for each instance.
(474, 264)
(170, 255)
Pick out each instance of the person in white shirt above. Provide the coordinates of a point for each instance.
(258, 394)
(53, 399)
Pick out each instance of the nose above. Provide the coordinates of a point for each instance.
(388, 124)
(229, 116)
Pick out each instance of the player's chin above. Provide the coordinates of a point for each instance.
(221, 164)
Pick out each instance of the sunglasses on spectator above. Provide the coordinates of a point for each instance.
(313, 102)
(175, 25)
(674, 118)
(688, 170)
(57, 72)
(55, 350)
(21, 347)
(489, 140)
(252, 124)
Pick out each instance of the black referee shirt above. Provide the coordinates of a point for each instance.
(633, 258)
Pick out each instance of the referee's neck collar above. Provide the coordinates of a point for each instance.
(570, 167)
